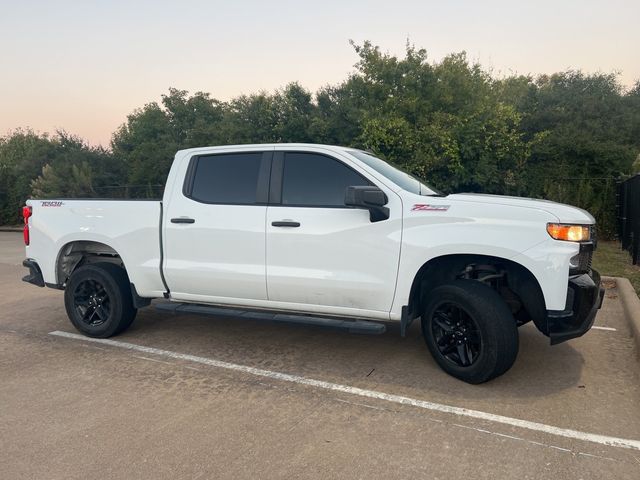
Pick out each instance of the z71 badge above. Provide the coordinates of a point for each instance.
(423, 207)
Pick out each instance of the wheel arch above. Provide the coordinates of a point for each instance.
(446, 268)
(84, 252)
(80, 252)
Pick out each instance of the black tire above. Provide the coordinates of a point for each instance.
(98, 300)
(471, 314)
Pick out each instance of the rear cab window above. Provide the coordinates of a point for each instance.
(230, 178)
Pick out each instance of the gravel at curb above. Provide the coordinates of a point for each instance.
(631, 305)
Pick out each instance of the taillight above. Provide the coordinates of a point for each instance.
(26, 213)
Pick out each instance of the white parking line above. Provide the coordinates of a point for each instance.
(464, 412)
(609, 329)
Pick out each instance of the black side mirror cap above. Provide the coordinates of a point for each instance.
(369, 197)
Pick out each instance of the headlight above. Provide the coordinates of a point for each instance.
(569, 233)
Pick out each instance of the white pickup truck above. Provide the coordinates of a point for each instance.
(329, 236)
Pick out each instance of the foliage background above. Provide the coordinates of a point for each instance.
(565, 137)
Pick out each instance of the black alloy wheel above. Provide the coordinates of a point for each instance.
(92, 303)
(456, 334)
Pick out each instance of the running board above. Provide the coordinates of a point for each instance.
(351, 325)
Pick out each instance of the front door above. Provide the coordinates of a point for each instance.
(322, 255)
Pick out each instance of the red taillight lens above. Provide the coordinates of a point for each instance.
(26, 213)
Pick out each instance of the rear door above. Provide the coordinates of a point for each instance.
(215, 229)
(321, 254)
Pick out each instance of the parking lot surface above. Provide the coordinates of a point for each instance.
(202, 397)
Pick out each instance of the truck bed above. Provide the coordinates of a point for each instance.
(130, 227)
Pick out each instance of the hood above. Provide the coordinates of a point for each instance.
(564, 213)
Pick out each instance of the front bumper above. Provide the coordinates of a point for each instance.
(584, 299)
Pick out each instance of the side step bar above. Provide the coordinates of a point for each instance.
(351, 325)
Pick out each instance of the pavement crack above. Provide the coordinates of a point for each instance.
(362, 405)
(153, 360)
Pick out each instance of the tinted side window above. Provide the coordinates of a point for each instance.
(315, 180)
(229, 178)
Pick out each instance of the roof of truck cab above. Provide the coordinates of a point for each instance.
(334, 148)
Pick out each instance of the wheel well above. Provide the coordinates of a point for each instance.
(82, 252)
(513, 282)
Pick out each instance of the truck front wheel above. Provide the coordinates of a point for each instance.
(470, 331)
(98, 300)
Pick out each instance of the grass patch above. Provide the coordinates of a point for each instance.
(609, 259)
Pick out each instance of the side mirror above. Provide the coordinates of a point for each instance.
(369, 197)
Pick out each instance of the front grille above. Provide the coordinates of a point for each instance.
(590, 257)
(582, 260)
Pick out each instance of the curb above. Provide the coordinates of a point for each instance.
(10, 229)
(630, 304)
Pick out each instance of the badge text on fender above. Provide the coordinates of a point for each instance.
(423, 207)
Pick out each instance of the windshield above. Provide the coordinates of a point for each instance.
(403, 179)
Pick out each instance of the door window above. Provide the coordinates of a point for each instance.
(313, 180)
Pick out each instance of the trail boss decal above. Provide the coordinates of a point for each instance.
(51, 204)
(423, 207)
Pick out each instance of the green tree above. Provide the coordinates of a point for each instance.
(22, 156)
(60, 165)
(443, 121)
(585, 142)
(78, 170)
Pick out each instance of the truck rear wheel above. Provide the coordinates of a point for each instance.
(98, 300)
(470, 331)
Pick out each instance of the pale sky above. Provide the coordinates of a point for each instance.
(84, 65)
